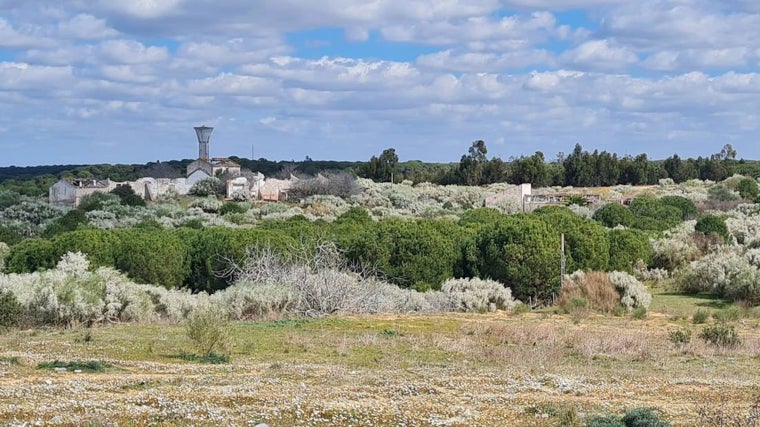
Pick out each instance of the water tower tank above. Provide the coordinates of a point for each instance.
(204, 135)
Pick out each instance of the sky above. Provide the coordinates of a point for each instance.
(104, 81)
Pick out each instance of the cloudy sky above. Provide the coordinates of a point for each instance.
(104, 81)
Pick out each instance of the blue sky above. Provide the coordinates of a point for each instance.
(125, 82)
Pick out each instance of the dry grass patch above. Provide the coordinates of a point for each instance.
(447, 370)
(595, 287)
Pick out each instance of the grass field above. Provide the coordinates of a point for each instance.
(533, 369)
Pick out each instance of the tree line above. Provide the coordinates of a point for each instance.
(580, 168)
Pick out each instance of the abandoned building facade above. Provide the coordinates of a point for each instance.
(253, 185)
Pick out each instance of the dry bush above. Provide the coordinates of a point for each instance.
(594, 286)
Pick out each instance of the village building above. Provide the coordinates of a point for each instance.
(254, 184)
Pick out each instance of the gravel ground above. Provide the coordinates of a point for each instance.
(459, 392)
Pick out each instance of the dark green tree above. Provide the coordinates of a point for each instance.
(521, 251)
(627, 247)
(383, 168)
(613, 214)
(587, 244)
(472, 164)
(686, 206)
(127, 195)
(531, 169)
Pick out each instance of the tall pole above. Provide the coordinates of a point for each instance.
(562, 261)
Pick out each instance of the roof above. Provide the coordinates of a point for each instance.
(88, 183)
(224, 162)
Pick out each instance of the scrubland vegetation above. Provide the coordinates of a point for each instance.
(364, 303)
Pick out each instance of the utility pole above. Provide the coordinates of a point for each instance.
(562, 261)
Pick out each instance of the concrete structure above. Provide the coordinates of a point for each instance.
(204, 136)
(514, 196)
(71, 191)
(238, 185)
(533, 202)
(276, 189)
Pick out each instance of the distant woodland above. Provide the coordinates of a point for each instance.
(579, 168)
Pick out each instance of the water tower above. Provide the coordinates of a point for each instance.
(204, 135)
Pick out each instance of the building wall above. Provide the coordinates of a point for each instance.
(197, 175)
(513, 196)
(62, 192)
(200, 165)
(237, 184)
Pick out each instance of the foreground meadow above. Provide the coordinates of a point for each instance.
(535, 369)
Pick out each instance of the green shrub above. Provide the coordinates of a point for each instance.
(719, 193)
(520, 250)
(680, 336)
(10, 310)
(730, 314)
(638, 417)
(644, 417)
(712, 224)
(213, 250)
(127, 195)
(614, 214)
(30, 255)
(686, 206)
(209, 330)
(747, 189)
(4, 252)
(639, 313)
(720, 336)
(232, 208)
(69, 222)
(653, 214)
(587, 244)
(76, 365)
(628, 247)
(355, 215)
(9, 235)
(480, 217)
(700, 316)
(157, 257)
(210, 358)
(605, 421)
(97, 200)
(419, 254)
(521, 308)
(99, 245)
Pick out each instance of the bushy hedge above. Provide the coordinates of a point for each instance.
(628, 247)
(587, 246)
(417, 254)
(520, 251)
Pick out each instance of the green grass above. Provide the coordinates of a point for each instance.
(76, 365)
(684, 305)
(210, 358)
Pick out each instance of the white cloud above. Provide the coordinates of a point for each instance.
(516, 71)
(600, 55)
(11, 37)
(85, 27)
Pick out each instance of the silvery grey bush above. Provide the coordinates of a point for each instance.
(478, 295)
(633, 294)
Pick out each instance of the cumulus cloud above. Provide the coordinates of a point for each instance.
(600, 55)
(427, 76)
